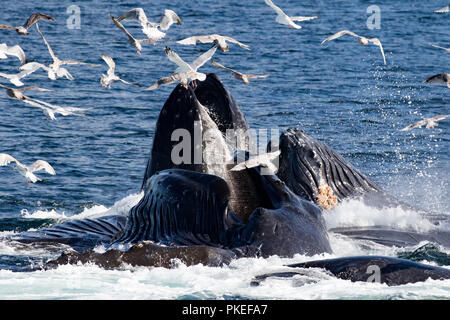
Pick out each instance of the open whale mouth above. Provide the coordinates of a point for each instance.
(316, 172)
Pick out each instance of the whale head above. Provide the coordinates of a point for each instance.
(316, 172)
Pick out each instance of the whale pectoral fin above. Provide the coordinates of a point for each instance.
(182, 207)
(83, 233)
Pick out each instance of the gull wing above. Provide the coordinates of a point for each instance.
(448, 49)
(169, 18)
(121, 27)
(14, 51)
(340, 34)
(33, 66)
(197, 63)
(26, 70)
(229, 39)
(417, 124)
(55, 58)
(175, 58)
(301, 18)
(218, 65)
(35, 17)
(4, 26)
(52, 109)
(41, 164)
(161, 82)
(274, 7)
(255, 76)
(438, 118)
(193, 40)
(58, 109)
(130, 83)
(137, 14)
(6, 159)
(443, 10)
(33, 88)
(377, 42)
(111, 64)
(79, 62)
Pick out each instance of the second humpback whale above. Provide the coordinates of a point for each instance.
(195, 209)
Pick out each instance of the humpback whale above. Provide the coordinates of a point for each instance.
(196, 209)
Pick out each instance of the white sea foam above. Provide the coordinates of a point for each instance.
(354, 213)
(200, 282)
(121, 207)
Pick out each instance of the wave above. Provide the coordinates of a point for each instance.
(121, 207)
(355, 213)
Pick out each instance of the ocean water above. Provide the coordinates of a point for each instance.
(339, 92)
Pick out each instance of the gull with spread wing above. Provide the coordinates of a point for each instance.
(185, 71)
(12, 51)
(239, 75)
(27, 171)
(55, 70)
(427, 122)
(27, 69)
(23, 30)
(107, 79)
(151, 28)
(362, 40)
(210, 38)
(283, 18)
(47, 108)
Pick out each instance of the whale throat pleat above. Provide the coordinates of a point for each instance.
(182, 207)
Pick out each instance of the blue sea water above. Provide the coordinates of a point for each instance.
(339, 92)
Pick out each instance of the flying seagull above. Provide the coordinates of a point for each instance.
(54, 69)
(49, 109)
(185, 71)
(362, 40)
(137, 43)
(443, 10)
(12, 51)
(26, 70)
(151, 28)
(427, 122)
(238, 75)
(27, 171)
(283, 18)
(210, 38)
(448, 49)
(107, 79)
(23, 30)
(441, 78)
